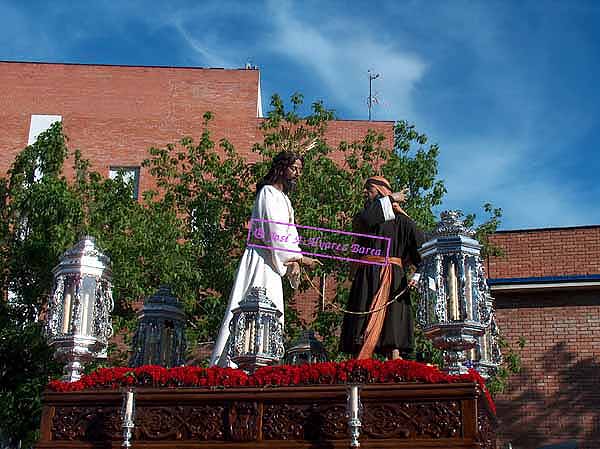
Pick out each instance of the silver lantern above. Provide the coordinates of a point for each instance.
(306, 349)
(453, 307)
(159, 338)
(79, 323)
(256, 332)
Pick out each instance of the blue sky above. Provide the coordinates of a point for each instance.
(509, 90)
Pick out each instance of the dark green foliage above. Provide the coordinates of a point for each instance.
(41, 216)
(26, 361)
(190, 233)
(510, 365)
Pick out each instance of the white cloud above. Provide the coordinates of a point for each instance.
(340, 55)
(504, 173)
(209, 58)
(468, 76)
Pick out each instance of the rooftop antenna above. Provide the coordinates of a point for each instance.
(372, 76)
(249, 63)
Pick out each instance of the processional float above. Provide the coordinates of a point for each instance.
(455, 310)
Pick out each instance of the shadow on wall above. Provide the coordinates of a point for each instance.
(563, 408)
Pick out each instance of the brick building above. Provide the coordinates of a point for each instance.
(547, 290)
(547, 285)
(115, 113)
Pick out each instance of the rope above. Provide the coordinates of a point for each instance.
(350, 312)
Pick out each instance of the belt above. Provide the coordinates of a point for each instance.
(385, 260)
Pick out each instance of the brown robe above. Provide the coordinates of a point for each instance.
(398, 328)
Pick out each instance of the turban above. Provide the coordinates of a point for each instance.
(384, 188)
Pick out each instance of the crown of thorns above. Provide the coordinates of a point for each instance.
(295, 141)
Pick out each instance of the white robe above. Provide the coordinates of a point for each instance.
(261, 267)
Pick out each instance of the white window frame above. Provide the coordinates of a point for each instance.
(130, 174)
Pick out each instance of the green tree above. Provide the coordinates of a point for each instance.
(43, 214)
(189, 233)
(26, 361)
(196, 176)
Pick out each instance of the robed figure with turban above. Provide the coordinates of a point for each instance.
(380, 323)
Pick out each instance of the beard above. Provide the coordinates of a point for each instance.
(289, 185)
(368, 201)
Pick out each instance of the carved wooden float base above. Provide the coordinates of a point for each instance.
(406, 415)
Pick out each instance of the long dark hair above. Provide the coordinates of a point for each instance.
(280, 163)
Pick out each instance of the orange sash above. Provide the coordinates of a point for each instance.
(376, 319)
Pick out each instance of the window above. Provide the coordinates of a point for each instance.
(131, 176)
(39, 124)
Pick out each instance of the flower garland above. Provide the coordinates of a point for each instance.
(328, 373)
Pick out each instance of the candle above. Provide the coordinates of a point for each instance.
(129, 406)
(259, 337)
(453, 292)
(468, 294)
(66, 313)
(247, 340)
(266, 337)
(354, 401)
(84, 314)
(484, 350)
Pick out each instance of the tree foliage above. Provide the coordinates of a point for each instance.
(44, 214)
(191, 231)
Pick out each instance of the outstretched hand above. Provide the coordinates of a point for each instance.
(400, 197)
(310, 262)
(293, 270)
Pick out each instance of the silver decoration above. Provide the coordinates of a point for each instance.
(487, 356)
(454, 307)
(160, 335)
(256, 332)
(451, 224)
(307, 349)
(78, 323)
(353, 412)
(128, 417)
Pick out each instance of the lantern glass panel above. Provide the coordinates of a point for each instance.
(68, 296)
(166, 343)
(87, 296)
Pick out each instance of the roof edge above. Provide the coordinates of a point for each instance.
(85, 64)
(559, 228)
(544, 279)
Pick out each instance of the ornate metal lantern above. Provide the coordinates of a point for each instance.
(79, 323)
(307, 349)
(256, 332)
(453, 307)
(159, 338)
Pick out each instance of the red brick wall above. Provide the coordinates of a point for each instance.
(355, 130)
(546, 252)
(114, 114)
(556, 396)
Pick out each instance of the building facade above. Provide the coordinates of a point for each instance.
(547, 292)
(546, 285)
(114, 114)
